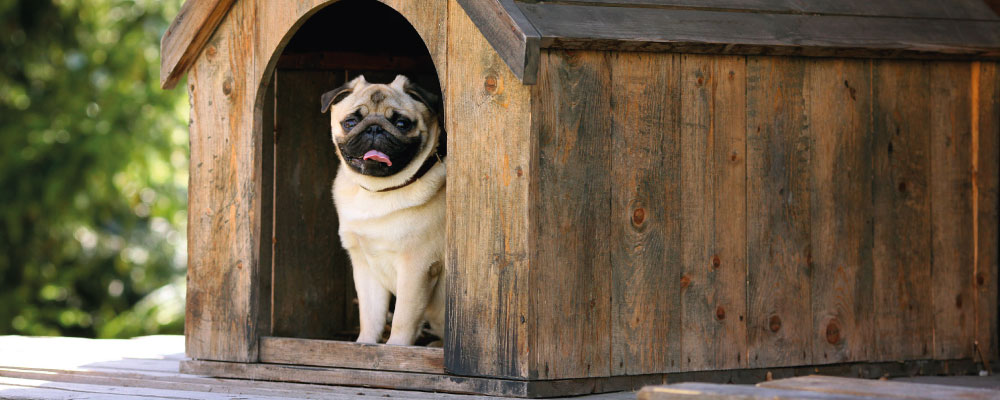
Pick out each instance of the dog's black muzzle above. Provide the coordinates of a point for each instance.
(401, 150)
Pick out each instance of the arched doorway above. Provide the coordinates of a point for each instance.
(312, 293)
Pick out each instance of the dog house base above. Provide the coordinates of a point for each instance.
(443, 382)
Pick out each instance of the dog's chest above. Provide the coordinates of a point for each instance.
(390, 233)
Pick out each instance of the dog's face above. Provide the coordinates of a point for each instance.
(380, 130)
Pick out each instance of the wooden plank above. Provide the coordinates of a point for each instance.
(330, 353)
(712, 391)
(510, 34)
(357, 377)
(901, 194)
(657, 29)
(951, 210)
(224, 199)
(487, 270)
(571, 258)
(264, 131)
(645, 213)
(421, 381)
(878, 388)
(713, 217)
(838, 102)
(311, 268)
(954, 9)
(190, 30)
(779, 254)
(985, 135)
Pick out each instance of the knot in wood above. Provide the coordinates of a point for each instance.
(833, 332)
(638, 216)
(980, 280)
(720, 313)
(490, 84)
(227, 86)
(716, 262)
(774, 323)
(685, 282)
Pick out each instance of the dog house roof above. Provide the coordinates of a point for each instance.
(519, 29)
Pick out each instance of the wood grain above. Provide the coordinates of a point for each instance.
(713, 216)
(311, 268)
(951, 209)
(187, 35)
(779, 253)
(645, 212)
(567, 26)
(901, 194)
(985, 135)
(865, 388)
(714, 391)
(960, 9)
(489, 143)
(571, 259)
(838, 102)
(509, 32)
(357, 377)
(331, 353)
(225, 204)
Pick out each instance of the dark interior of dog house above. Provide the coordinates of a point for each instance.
(312, 293)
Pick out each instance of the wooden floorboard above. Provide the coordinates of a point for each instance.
(148, 368)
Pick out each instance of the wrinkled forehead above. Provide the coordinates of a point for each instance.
(384, 99)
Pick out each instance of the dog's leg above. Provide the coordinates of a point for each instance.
(373, 300)
(414, 288)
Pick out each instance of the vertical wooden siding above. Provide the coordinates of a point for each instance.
(763, 212)
(489, 166)
(224, 311)
(713, 214)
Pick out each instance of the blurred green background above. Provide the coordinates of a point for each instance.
(93, 170)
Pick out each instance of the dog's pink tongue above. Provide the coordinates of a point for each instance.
(378, 156)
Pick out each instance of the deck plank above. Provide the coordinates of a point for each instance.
(148, 368)
(879, 388)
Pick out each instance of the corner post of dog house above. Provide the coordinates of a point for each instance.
(228, 272)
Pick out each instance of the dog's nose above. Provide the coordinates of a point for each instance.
(373, 129)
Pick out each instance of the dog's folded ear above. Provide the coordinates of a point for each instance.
(334, 96)
(430, 100)
(337, 95)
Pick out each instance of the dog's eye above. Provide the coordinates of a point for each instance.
(403, 124)
(349, 123)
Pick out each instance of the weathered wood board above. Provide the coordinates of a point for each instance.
(489, 324)
(816, 387)
(645, 225)
(713, 216)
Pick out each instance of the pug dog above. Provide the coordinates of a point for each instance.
(390, 198)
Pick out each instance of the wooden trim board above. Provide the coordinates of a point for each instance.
(332, 353)
(518, 30)
(510, 34)
(187, 35)
(560, 387)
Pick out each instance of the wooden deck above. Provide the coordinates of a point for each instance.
(147, 368)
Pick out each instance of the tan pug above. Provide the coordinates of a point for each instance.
(390, 198)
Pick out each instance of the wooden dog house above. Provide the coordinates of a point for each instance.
(638, 192)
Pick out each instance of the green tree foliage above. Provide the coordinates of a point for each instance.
(93, 170)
